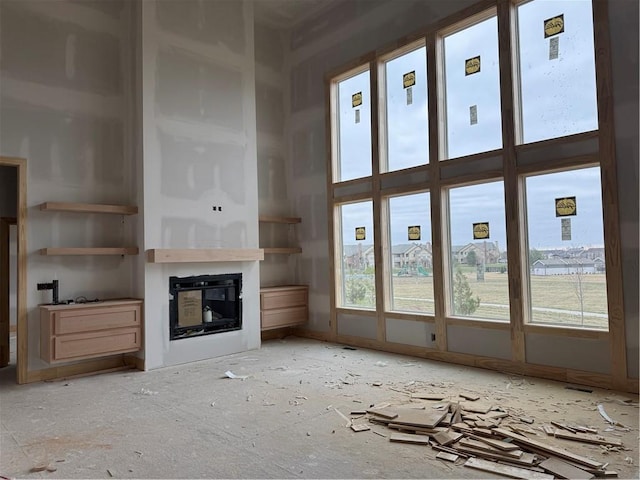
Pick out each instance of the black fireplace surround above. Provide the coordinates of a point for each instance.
(204, 305)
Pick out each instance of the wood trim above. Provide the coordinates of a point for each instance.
(380, 206)
(606, 139)
(437, 136)
(275, 333)
(559, 374)
(351, 197)
(479, 323)
(89, 251)
(472, 178)
(88, 208)
(204, 255)
(354, 182)
(414, 317)
(352, 311)
(404, 190)
(85, 367)
(560, 331)
(276, 219)
(473, 158)
(556, 165)
(552, 142)
(331, 141)
(4, 291)
(22, 324)
(282, 250)
(512, 191)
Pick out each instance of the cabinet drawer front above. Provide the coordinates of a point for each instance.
(87, 345)
(95, 319)
(289, 298)
(284, 317)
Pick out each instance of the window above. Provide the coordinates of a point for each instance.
(358, 261)
(444, 221)
(472, 90)
(567, 281)
(557, 69)
(410, 255)
(354, 127)
(406, 121)
(478, 257)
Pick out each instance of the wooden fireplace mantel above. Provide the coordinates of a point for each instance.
(204, 255)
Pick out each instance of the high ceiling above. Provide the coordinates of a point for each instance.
(288, 13)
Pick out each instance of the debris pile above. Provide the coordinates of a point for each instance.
(486, 437)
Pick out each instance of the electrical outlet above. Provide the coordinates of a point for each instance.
(433, 337)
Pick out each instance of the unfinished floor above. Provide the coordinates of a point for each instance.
(282, 421)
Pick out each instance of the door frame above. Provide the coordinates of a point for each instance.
(21, 300)
(5, 300)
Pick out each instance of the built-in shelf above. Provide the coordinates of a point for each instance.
(88, 208)
(282, 250)
(203, 255)
(274, 219)
(89, 251)
(281, 220)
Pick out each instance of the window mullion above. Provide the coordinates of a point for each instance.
(434, 69)
(511, 190)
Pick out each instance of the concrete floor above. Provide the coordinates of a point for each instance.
(280, 422)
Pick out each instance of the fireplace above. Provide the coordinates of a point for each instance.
(204, 305)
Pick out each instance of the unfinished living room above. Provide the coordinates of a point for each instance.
(319, 239)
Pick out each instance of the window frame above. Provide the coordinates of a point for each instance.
(511, 164)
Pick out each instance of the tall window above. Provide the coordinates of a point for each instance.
(354, 127)
(557, 69)
(443, 222)
(568, 280)
(406, 119)
(478, 252)
(358, 261)
(472, 90)
(410, 255)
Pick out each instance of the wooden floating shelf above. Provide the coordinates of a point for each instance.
(283, 250)
(274, 219)
(88, 208)
(203, 255)
(90, 251)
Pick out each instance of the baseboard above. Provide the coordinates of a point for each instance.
(559, 374)
(276, 333)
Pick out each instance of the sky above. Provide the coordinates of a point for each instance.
(558, 98)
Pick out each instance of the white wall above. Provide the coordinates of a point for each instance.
(273, 175)
(64, 84)
(199, 151)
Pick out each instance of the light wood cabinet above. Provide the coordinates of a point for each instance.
(82, 331)
(284, 306)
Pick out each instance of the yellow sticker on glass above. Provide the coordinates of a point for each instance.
(553, 26)
(481, 231)
(409, 79)
(472, 65)
(414, 232)
(361, 233)
(566, 207)
(356, 99)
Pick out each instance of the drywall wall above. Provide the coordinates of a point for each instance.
(199, 160)
(624, 59)
(410, 332)
(588, 354)
(64, 75)
(357, 325)
(273, 175)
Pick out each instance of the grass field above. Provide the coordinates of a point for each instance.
(554, 298)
